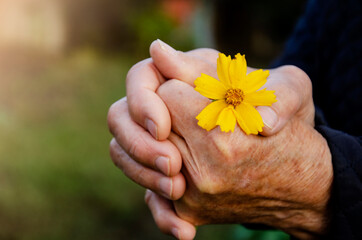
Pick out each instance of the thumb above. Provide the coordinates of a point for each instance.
(293, 89)
(182, 66)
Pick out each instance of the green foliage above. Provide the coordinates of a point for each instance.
(151, 23)
(57, 180)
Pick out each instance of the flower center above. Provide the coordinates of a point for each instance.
(234, 96)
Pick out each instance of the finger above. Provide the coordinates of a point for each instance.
(205, 54)
(184, 104)
(166, 219)
(144, 78)
(145, 107)
(169, 187)
(183, 66)
(293, 90)
(139, 144)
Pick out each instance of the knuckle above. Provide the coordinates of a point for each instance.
(132, 70)
(110, 117)
(227, 152)
(114, 112)
(300, 79)
(148, 195)
(136, 68)
(222, 144)
(112, 151)
(208, 186)
(115, 154)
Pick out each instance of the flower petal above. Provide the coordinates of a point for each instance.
(227, 119)
(255, 80)
(223, 63)
(260, 98)
(237, 71)
(241, 123)
(209, 115)
(210, 87)
(249, 119)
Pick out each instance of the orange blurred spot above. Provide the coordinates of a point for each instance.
(179, 10)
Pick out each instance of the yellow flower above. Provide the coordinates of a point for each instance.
(234, 96)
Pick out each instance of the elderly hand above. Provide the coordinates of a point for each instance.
(282, 181)
(155, 162)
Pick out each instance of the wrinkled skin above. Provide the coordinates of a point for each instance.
(282, 180)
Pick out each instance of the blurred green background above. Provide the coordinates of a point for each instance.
(62, 64)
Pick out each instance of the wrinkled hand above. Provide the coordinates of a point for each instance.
(281, 181)
(141, 124)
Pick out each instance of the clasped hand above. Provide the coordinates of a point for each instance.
(281, 179)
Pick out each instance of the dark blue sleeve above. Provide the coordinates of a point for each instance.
(327, 45)
(301, 47)
(346, 201)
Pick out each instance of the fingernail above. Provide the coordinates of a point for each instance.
(167, 48)
(165, 185)
(152, 128)
(163, 164)
(175, 232)
(269, 116)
